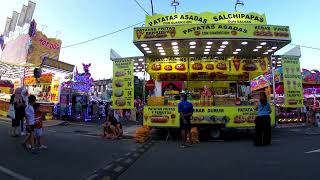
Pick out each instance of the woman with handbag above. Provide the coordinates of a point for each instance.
(19, 106)
(262, 135)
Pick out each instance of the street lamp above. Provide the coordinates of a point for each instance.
(175, 4)
(238, 3)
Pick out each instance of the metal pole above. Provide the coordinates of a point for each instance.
(152, 8)
(273, 88)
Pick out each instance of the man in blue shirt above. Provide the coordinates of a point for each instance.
(185, 109)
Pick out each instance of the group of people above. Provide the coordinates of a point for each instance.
(25, 109)
(111, 127)
(262, 136)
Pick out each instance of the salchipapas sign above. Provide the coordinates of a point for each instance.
(206, 18)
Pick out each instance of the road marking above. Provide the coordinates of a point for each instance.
(313, 151)
(13, 174)
(51, 131)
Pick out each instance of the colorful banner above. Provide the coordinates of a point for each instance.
(259, 82)
(206, 18)
(310, 77)
(55, 90)
(41, 47)
(167, 65)
(189, 31)
(231, 116)
(292, 81)
(44, 79)
(123, 84)
(161, 116)
(208, 64)
(249, 65)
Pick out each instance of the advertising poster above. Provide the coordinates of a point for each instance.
(55, 90)
(243, 116)
(44, 79)
(167, 65)
(208, 64)
(41, 47)
(292, 81)
(249, 65)
(123, 84)
(161, 116)
(212, 31)
(206, 18)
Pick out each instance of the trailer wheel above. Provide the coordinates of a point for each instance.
(215, 133)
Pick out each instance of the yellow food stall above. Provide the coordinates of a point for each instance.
(214, 56)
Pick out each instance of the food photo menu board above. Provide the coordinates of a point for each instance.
(123, 84)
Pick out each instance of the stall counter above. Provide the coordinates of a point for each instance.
(231, 116)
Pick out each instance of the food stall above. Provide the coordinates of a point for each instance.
(31, 52)
(214, 55)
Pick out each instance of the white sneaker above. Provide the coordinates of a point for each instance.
(28, 146)
(22, 133)
(43, 147)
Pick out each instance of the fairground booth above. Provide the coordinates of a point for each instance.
(31, 61)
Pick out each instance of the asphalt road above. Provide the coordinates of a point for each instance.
(285, 159)
(70, 155)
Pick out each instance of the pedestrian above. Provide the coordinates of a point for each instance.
(30, 121)
(262, 135)
(304, 111)
(19, 108)
(38, 131)
(111, 127)
(186, 110)
(78, 110)
(15, 122)
(101, 110)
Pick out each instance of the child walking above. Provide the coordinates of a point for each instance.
(39, 116)
(30, 120)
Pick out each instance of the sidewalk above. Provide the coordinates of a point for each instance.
(49, 123)
(87, 128)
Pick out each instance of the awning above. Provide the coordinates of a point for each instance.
(57, 65)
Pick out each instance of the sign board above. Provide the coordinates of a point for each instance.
(218, 31)
(206, 18)
(123, 84)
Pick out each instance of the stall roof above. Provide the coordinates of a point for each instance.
(211, 39)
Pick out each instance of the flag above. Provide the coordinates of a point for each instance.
(30, 10)
(7, 27)
(14, 20)
(22, 16)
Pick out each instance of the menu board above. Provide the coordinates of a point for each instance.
(167, 65)
(249, 65)
(123, 84)
(208, 64)
(292, 81)
(55, 90)
(161, 116)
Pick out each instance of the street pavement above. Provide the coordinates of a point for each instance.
(288, 158)
(70, 155)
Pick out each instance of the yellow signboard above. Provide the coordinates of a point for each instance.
(231, 116)
(241, 116)
(249, 65)
(208, 64)
(123, 84)
(292, 81)
(206, 18)
(161, 116)
(55, 90)
(42, 46)
(167, 65)
(212, 31)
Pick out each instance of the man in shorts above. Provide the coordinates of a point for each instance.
(186, 110)
(30, 121)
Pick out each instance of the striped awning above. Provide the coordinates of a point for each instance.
(57, 65)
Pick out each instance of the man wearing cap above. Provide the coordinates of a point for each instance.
(185, 109)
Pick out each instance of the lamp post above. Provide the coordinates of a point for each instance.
(175, 4)
(238, 3)
(151, 7)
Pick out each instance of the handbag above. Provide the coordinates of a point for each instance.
(11, 112)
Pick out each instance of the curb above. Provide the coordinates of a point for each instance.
(114, 169)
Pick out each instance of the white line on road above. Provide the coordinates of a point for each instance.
(13, 174)
(313, 151)
(51, 130)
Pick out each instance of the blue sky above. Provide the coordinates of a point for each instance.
(79, 20)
